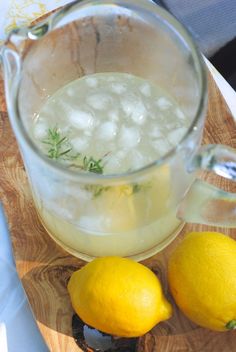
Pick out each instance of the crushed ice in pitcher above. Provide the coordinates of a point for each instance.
(109, 123)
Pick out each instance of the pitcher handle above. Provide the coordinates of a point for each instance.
(205, 203)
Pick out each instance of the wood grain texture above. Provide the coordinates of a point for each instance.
(45, 268)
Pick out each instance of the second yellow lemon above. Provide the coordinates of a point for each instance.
(118, 296)
(202, 279)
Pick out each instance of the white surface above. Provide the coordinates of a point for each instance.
(3, 338)
(227, 91)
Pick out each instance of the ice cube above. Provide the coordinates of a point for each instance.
(88, 222)
(136, 159)
(91, 82)
(145, 89)
(65, 129)
(40, 130)
(77, 193)
(113, 115)
(139, 113)
(172, 126)
(176, 135)
(118, 88)
(121, 154)
(115, 161)
(163, 103)
(62, 211)
(81, 119)
(70, 92)
(99, 101)
(113, 164)
(128, 104)
(129, 137)
(179, 114)
(161, 145)
(155, 132)
(79, 144)
(107, 131)
(134, 107)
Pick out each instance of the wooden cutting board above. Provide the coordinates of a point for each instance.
(45, 268)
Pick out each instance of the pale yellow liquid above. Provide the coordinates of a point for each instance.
(121, 220)
(117, 223)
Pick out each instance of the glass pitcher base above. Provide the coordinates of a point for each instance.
(137, 257)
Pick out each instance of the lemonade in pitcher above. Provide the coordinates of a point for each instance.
(110, 124)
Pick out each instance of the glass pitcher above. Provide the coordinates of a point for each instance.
(136, 213)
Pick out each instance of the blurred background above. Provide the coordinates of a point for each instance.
(212, 23)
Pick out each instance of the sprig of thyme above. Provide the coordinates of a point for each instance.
(97, 190)
(57, 144)
(60, 148)
(92, 165)
(137, 187)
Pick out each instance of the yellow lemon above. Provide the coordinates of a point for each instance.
(202, 279)
(118, 296)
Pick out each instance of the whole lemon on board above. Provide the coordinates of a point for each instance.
(202, 279)
(118, 296)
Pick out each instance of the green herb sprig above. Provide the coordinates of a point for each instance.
(57, 144)
(60, 149)
(92, 165)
